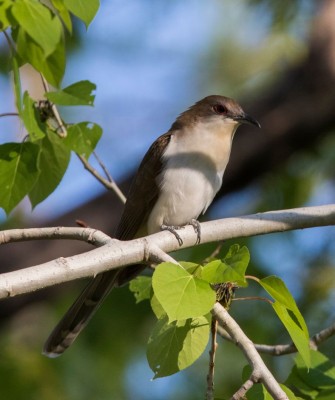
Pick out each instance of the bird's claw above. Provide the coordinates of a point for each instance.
(197, 229)
(173, 229)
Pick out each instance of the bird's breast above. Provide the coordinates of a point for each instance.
(193, 167)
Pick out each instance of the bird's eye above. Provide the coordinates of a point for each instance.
(219, 109)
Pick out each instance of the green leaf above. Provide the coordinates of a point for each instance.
(52, 67)
(192, 268)
(63, 13)
(289, 393)
(85, 10)
(231, 269)
(5, 6)
(288, 312)
(173, 347)
(320, 374)
(157, 307)
(17, 84)
(19, 172)
(77, 94)
(181, 294)
(141, 287)
(31, 119)
(38, 21)
(53, 161)
(258, 392)
(278, 290)
(83, 137)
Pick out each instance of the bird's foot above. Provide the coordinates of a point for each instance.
(173, 229)
(197, 229)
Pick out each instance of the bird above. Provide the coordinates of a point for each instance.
(175, 183)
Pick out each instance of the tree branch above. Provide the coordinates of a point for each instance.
(89, 235)
(260, 372)
(116, 254)
(108, 183)
(282, 349)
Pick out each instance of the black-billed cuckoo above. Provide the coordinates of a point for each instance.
(175, 183)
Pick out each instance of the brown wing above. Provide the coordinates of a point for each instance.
(144, 191)
(142, 196)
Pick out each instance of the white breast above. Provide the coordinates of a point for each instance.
(194, 167)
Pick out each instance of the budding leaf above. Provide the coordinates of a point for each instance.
(230, 269)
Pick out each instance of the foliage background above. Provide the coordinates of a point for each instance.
(150, 61)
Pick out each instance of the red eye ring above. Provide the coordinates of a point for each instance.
(219, 109)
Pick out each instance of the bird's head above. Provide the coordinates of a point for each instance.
(215, 109)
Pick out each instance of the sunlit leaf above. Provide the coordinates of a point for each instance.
(85, 10)
(83, 137)
(288, 312)
(157, 307)
(181, 294)
(53, 161)
(52, 67)
(19, 172)
(173, 347)
(79, 93)
(38, 21)
(230, 269)
(63, 13)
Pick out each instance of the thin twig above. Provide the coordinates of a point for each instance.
(215, 252)
(253, 298)
(108, 185)
(240, 394)
(283, 349)
(103, 167)
(211, 367)
(9, 114)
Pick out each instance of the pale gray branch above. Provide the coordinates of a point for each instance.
(282, 349)
(89, 235)
(260, 372)
(116, 254)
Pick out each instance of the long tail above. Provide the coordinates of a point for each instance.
(83, 309)
(79, 314)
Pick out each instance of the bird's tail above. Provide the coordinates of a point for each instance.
(80, 313)
(83, 309)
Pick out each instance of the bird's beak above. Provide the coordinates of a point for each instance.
(247, 119)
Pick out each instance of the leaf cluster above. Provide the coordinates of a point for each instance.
(35, 167)
(182, 298)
